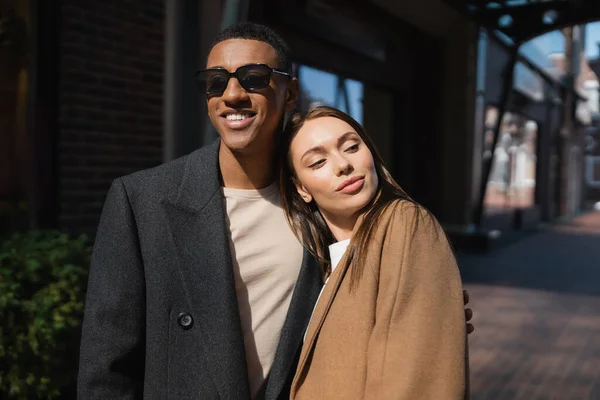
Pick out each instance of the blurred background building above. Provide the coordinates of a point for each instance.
(92, 90)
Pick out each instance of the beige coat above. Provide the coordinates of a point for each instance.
(401, 333)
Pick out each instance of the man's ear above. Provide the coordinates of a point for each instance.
(291, 95)
(306, 196)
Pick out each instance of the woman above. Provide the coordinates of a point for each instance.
(389, 323)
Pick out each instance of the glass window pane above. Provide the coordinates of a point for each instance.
(543, 51)
(324, 88)
(528, 82)
(355, 93)
(512, 179)
(318, 86)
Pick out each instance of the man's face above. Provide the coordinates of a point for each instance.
(247, 121)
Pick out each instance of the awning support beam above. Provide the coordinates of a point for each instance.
(507, 89)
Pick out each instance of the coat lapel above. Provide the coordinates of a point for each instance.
(318, 317)
(302, 304)
(196, 217)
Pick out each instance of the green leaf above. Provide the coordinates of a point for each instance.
(43, 277)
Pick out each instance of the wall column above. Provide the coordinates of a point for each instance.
(460, 149)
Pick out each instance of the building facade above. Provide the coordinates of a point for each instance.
(103, 89)
(592, 135)
(537, 167)
(88, 107)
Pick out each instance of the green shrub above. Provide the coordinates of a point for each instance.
(43, 277)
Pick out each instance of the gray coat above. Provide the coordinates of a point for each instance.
(161, 316)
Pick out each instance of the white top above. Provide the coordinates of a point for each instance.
(266, 258)
(336, 252)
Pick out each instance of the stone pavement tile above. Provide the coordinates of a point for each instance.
(595, 392)
(533, 344)
(537, 315)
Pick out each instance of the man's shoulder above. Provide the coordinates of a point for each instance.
(161, 172)
(167, 177)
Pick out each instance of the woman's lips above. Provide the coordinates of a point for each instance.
(352, 185)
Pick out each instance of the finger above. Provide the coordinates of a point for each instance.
(470, 328)
(465, 296)
(468, 314)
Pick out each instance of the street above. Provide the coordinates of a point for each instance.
(536, 310)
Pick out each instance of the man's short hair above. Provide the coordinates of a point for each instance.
(254, 31)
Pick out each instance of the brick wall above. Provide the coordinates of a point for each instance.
(110, 95)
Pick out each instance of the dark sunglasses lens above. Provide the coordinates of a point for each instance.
(212, 82)
(254, 77)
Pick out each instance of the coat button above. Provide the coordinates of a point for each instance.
(185, 320)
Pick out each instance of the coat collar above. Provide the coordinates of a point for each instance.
(197, 221)
(304, 298)
(321, 310)
(201, 179)
(318, 317)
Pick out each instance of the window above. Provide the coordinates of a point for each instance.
(318, 87)
(546, 51)
(512, 179)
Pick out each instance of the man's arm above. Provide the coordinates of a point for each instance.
(111, 364)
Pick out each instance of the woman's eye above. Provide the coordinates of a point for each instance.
(352, 148)
(317, 163)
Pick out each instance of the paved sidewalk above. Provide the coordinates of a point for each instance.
(537, 315)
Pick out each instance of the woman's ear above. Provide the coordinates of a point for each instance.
(306, 196)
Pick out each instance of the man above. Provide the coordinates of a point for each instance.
(198, 288)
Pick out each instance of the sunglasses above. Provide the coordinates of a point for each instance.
(251, 77)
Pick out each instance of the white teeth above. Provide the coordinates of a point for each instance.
(237, 117)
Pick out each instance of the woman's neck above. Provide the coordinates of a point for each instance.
(340, 226)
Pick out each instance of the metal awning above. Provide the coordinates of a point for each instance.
(522, 20)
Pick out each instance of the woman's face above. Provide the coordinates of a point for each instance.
(334, 167)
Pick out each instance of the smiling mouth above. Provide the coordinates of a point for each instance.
(238, 116)
(238, 120)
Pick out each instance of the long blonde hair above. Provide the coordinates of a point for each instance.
(305, 219)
